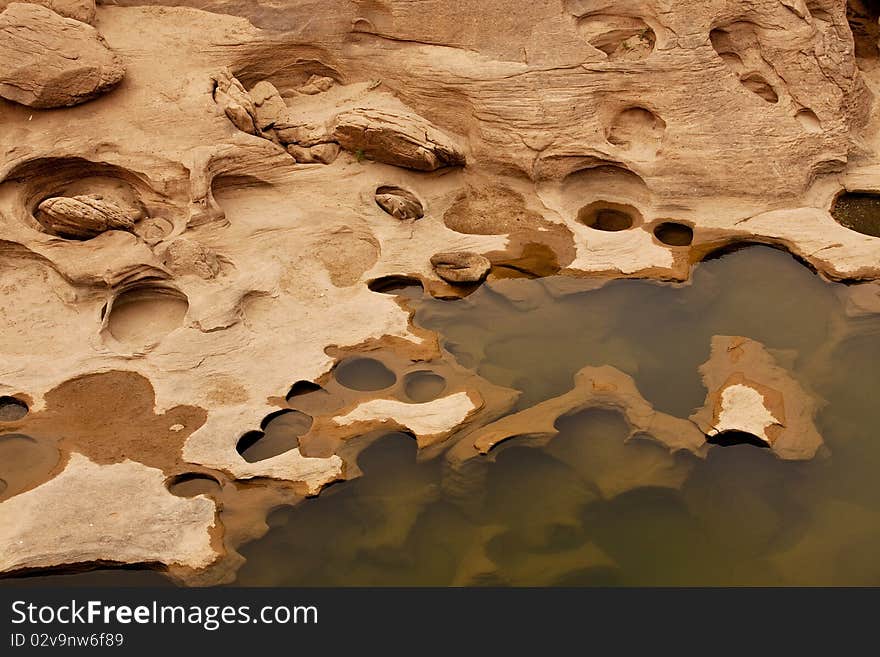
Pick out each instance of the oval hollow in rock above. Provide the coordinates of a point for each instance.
(757, 84)
(609, 217)
(301, 388)
(808, 120)
(673, 233)
(280, 434)
(142, 316)
(12, 409)
(858, 211)
(423, 386)
(396, 284)
(399, 203)
(190, 484)
(364, 374)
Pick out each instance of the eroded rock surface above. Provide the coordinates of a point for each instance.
(47, 60)
(749, 393)
(513, 131)
(123, 513)
(84, 217)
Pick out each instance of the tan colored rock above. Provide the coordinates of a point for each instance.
(304, 135)
(118, 513)
(316, 84)
(461, 268)
(595, 387)
(324, 153)
(399, 203)
(47, 60)
(269, 106)
(392, 137)
(81, 10)
(750, 393)
(83, 217)
(184, 256)
(231, 96)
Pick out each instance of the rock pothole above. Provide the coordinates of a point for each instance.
(673, 233)
(190, 484)
(397, 285)
(423, 386)
(280, 432)
(140, 317)
(12, 409)
(364, 374)
(609, 217)
(858, 211)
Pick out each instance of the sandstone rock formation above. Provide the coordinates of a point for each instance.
(285, 162)
(83, 217)
(52, 61)
(750, 394)
(461, 267)
(81, 10)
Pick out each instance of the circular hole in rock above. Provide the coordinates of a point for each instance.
(674, 234)
(364, 374)
(301, 388)
(423, 386)
(25, 461)
(143, 316)
(732, 438)
(190, 484)
(12, 409)
(610, 217)
(280, 434)
(399, 285)
(858, 211)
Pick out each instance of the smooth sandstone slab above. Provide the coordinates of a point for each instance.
(120, 513)
(47, 60)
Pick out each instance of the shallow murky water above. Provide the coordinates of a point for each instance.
(587, 508)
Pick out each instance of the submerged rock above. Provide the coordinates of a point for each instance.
(47, 60)
(461, 268)
(84, 217)
(755, 400)
(399, 203)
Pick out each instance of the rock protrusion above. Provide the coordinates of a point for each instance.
(47, 60)
(392, 137)
(461, 267)
(752, 396)
(84, 217)
(231, 96)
